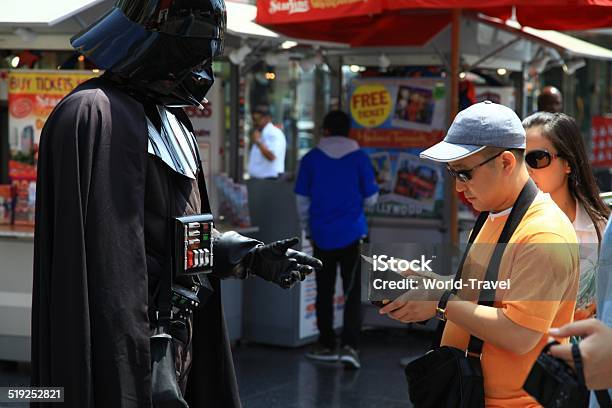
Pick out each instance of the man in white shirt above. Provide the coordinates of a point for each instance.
(268, 146)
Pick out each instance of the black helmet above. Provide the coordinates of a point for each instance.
(164, 48)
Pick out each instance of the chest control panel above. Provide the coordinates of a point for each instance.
(193, 244)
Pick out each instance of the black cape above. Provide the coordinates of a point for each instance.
(90, 324)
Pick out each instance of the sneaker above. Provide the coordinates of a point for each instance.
(322, 353)
(350, 357)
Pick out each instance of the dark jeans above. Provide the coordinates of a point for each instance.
(350, 270)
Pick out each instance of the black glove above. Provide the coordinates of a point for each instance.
(278, 263)
(230, 250)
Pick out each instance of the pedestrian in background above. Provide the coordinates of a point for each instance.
(334, 184)
(557, 162)
(268, 146)
(550, 100)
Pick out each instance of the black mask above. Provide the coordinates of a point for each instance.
(162, 48)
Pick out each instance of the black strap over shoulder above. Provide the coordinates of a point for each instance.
(487, 296)
(603, 398)
(482, 218)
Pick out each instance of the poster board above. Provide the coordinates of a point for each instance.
(601, 132)
(32, 96)
(393, 120)
(308, 311)
(503, 95)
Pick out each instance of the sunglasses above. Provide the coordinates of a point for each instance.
(539, 159)
(466, 175)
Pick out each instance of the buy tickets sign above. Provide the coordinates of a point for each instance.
(32, 95)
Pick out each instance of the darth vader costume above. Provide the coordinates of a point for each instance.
(118, 168)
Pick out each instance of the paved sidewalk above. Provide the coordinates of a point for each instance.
(273, 377)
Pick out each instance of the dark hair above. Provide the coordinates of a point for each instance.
(261, 109)
(545, 101)
(519, 154)
(337, 123)
(548, 98)
(564, 134)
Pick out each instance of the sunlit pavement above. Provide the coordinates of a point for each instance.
(271, 377)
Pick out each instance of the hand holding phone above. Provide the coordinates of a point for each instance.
(380, 303)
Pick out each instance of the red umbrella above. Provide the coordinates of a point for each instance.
(541, 14)
(414, 22)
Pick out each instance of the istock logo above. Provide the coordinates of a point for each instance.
(384, 263)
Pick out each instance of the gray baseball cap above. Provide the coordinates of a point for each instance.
(476, 127)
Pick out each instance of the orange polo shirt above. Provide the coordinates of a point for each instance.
(541, 263)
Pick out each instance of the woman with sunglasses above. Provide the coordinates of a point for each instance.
(557, 162)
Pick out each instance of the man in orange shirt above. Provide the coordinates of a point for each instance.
(484, 151)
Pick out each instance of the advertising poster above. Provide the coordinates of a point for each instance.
(308, 298)
(601, 128)
(32, 95)
(308, 315)
(393, 120)
(503, 95)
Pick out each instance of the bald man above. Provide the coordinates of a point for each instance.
(550, 100)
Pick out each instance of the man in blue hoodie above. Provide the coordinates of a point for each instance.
(334, 184)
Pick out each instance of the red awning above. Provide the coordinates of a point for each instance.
(414, 22)
(390, 29)
(299, 11)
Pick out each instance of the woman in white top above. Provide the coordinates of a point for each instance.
(557, 162)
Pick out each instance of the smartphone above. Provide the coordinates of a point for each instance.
(380, 303)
